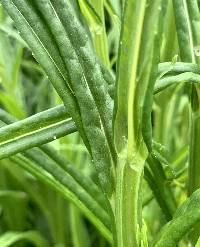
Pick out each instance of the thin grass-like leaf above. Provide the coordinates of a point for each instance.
(58, 185)
(34, 131)
(68, 176)
(187, 77)
(80, 89)
(10, 238)
(186, 216)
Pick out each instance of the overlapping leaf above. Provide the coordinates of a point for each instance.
(185, 217)
(63, 48)
(56, 171)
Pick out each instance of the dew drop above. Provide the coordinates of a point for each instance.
(54, 137)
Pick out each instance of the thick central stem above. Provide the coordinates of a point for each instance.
(129, 176)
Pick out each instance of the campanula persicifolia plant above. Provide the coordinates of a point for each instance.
(100, 123)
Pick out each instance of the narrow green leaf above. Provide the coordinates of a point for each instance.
(191, 22)
(10, 238)
(93, 11)
(34, 123)
(80, 236)
(194, 22)
(58, 183)
(186, 216)
(66, 180)
(178, 67)
(115, 7)
(40, 40)
(184, 31)
(187, 77)
(69, 177)
(34, 131)
(42, 119)
(77, 175)
(92, 93)
(74, 70)
(157, 179)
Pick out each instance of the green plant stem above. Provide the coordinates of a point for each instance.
(128, 187)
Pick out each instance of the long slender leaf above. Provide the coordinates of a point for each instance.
(93, 11)
(46, 52)
(89, 186)
(64, 178)
(183, 31)
(86, 183)
(178, 67)
(33, 123)
(191, 22)
(88, 87)
(49, 179)
(186, 216)
(187, 77)
(157, 179)
(10, 238)
(68, 176)
(16, 139)
(64, 26)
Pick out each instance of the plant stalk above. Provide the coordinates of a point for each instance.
(129, 175)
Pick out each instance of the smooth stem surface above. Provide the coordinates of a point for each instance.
(128, 140)
(127, 202)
